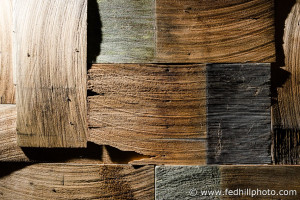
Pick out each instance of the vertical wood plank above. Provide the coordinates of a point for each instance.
(215, 31)
(128, 31)
(156, 110)
(50, 38)
(286, 107)
(287, 110)
(286, 146)
(239, 118)
(64, 181)
(7, 88)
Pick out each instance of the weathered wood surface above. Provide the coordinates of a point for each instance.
(93, 154)
(63, 181)
(156, 110)
(9, 149)
(160, 110)
(238, 113)
(286, 113)
(128, 31)
(7, 88)
(286, 107)
(183, 182)
(263, 178)
(185, 31)
(286, 146)
(187, 182)
(50, 51)
(219, 31)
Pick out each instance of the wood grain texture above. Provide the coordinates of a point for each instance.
(182, 182)
(285, 110)
(238, 116)
(50, 39)
(62, 181)
(261, 177)
(128, 31)
(7, 88)
(210, 31)
(187, 182)
(9, 149)
(286, 113)
(156, 110)
(11, 152)
(286, 146)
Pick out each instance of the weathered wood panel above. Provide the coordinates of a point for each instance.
(9, 149)
(156, 110)
(287, 110)
(7, 89)
(50, 51)
(128, 31)
(239, 118)
(184, 182)
(62, 181)
(11, 152)
(262, 178)
(191, 182)
(286, 146)
(215, 31)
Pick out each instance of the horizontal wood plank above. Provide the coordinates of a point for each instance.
(51, 68)
(238, 116)
(156, 110)
(210, 31)
(159, 111)
(127, 31)
(63, 181)
(184, 31)
(7, 88)
(275, 178)
(187, 182)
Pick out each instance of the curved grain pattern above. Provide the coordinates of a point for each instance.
(9, 149)
(287, 116)
(157, 110)
(50, 51)
(215, 31)
(62, 181)
(7, 90)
